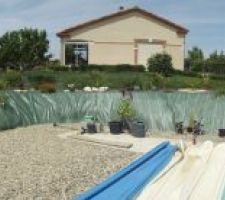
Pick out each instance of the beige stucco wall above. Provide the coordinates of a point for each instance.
(111, 53)
(112, 41)
(177, 53)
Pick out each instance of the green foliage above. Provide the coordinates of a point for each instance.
(23, 49)
(111, 68)
(160, 63)
(59, 68)
(119, 80)
(195, 60)
(12, 78)
(215, 64)
(46, 87)
(96, 79)
(41, 76)
(3, 85)
(126, 109)
(199, 66)
(56, 66)
(195, 54)
(159, 81)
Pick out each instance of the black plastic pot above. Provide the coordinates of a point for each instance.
(221, 132)
(189, 129)
(91, 128)
(137, 129)
(116, 127)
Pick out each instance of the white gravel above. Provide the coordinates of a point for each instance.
(37, 164)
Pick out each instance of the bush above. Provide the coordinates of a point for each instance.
(126, 109)
(161, 63)
(12, 78)
(216, 67)
(96, 79)
(209, 66)
(110, 68)
(3, 85)
(187, 73)
(199, 66)
(46, 87)
(59, 68)
(41, 76)
(56, 66)
(159, 81)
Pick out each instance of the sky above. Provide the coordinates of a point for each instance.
(204, 18)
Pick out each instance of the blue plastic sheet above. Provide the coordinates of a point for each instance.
(127, 183)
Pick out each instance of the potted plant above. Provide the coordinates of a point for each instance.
(191, 123)
(126, 112)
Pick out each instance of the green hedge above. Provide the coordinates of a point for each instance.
(209, 66)
(102, 68)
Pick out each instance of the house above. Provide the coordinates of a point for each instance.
(128, 36)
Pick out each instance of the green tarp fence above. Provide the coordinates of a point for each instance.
(159, 110)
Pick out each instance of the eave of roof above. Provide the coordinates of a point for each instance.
(66, 32)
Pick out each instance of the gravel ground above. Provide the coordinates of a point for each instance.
(36, 164)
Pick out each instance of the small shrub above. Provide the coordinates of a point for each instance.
(39, 77)
(59, 68)
(130, 82)
(126, 109)
(216, 67)
(159, 81)
(96, 79)
(111, 68)
(161, 63)
(146, 84)
(46, 87)
(187, 73)
(12, 78)
(3, 84)
(199, 66)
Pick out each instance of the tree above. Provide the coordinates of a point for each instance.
(161, 63)
(217, 57)
(216, 62)
(24, 49)
(195, 56)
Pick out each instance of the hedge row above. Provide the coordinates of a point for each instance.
(215, 67)
(105, 68)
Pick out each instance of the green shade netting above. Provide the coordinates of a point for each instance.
(159, 110)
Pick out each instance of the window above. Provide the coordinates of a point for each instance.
(76, 54)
